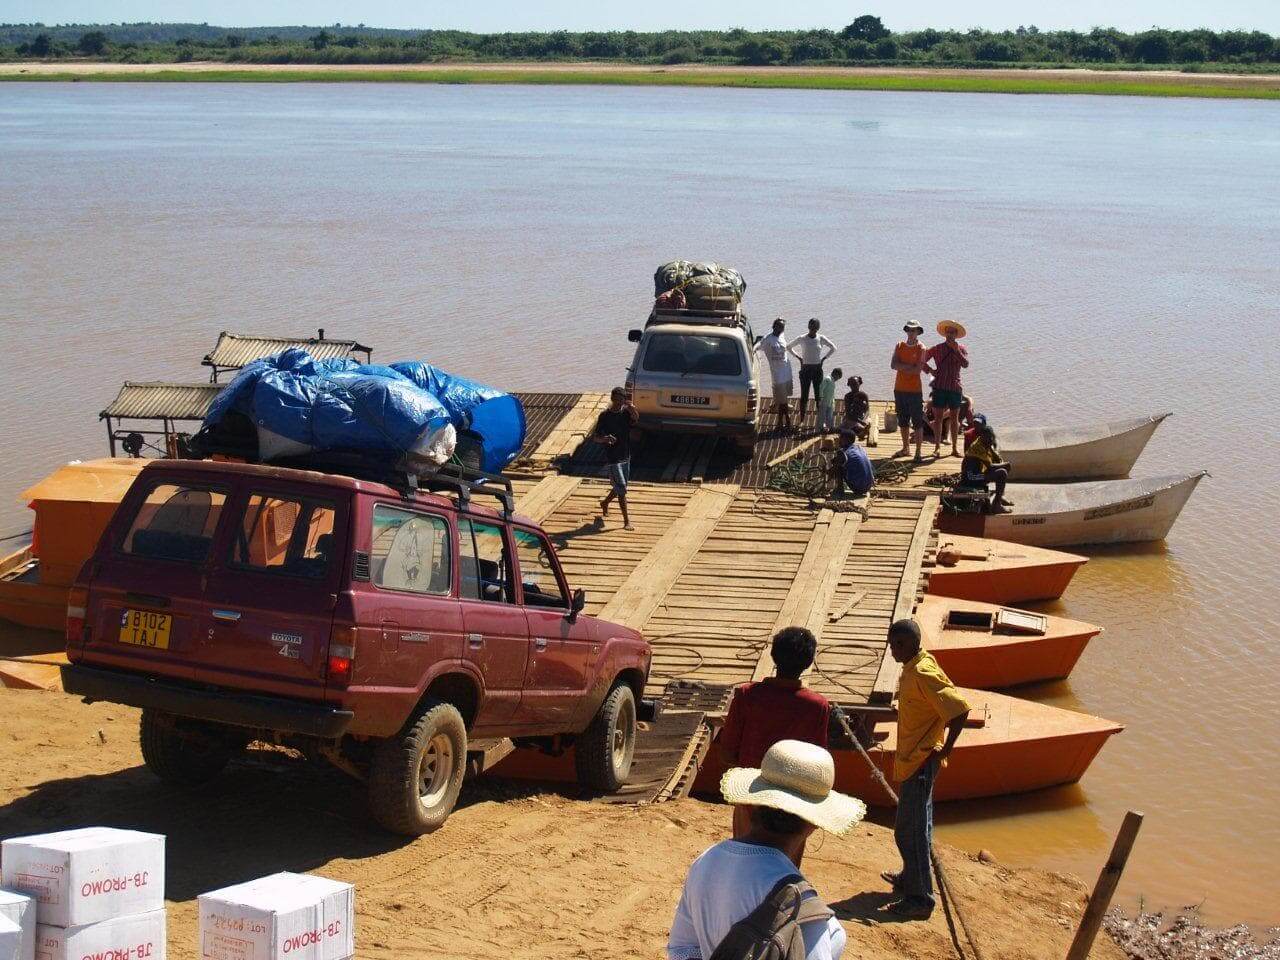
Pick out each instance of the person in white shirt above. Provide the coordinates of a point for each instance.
(790, 796)
(812, 350)
(774, 348)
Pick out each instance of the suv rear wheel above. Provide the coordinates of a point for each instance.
(604, 752)
(181, 760)
(416, 776)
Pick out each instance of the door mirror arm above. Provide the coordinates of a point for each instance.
(579, 601)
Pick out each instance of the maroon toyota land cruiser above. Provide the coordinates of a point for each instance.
(379, 628)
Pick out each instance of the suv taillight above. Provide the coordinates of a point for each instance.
(342, 655)
(77, 612)
(753, 400)
(630, 386)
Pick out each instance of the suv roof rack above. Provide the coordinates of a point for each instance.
(719, 318)
(450, 477)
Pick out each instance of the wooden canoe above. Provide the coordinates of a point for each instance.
(1100, 451)
(1020, 746)
(1074, 514)
(1000, 646)
(1000, 572)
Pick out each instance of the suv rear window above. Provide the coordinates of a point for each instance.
(691, 353)
(175, 522)
(410, 551)
(283, 535)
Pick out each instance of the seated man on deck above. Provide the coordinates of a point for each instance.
(982, 465)
(851, 465)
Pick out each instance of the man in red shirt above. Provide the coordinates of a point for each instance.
(776, 708)
(948, 359)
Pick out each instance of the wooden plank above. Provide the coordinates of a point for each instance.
(572, 429)
(643, 591)
(793, 452)
(842, 611)
(547, 496)
(886, 683)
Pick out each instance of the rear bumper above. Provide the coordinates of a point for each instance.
(217, 706)
(658, 423)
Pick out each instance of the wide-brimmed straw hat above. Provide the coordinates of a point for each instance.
(912, 325)
(795, 777)
(944, 324)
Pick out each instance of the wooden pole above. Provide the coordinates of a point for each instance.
(1105, 888)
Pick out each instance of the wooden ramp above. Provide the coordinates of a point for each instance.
(708, 575)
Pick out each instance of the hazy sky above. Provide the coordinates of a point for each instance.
(497, 15)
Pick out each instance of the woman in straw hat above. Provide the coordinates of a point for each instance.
(790, 796)
(948, 359)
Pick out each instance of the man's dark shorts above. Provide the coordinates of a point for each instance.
(947, 399)
(910, 408)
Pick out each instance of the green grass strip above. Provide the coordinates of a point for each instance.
(1019, 82)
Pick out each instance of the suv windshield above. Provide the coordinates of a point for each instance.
(693, 353)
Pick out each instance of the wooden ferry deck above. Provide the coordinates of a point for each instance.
(718, 562)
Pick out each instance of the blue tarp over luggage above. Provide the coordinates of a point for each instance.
(300, 405)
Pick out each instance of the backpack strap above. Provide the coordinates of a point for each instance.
(793, 899)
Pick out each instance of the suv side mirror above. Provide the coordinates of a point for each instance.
(634, 335)
(579, 601)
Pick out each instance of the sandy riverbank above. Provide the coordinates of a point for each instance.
(517, 874)
(1137, 83)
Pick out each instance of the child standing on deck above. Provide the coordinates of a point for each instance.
(827, 401)
(777, 708)
(857, 409)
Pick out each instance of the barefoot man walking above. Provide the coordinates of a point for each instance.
(613, 431)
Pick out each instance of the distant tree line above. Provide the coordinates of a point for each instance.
(865, 40)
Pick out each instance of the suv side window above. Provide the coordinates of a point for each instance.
(410, 551)
(542, 588)
(284, 535)
(484, 567)
(175, 522)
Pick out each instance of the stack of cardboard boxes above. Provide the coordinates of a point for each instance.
(97, 891)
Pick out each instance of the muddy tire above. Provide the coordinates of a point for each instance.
(180, 761)
(605, 751)
(415, 776)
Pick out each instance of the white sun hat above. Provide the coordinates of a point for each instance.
(795, 777)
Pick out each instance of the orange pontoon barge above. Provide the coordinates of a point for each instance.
(989, 646)
(996, 571)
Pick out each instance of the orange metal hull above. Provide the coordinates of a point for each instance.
(991, 661)
(1022, 746)
(27, 600)
(1010, 572)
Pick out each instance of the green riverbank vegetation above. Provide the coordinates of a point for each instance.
(866, 41)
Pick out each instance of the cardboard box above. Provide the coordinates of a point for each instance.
(13, 945)
(286, 916)
(18, 910)
(137, 937)
(79, 877)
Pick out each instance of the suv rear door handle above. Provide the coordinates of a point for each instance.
(475, 641)
(229, 616)
(540, 643)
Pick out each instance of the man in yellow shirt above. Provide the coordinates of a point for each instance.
(929, 706)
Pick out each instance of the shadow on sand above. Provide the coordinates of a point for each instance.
(250, 822)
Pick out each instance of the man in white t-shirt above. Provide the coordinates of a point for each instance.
(790, 796)
(812, 350)
(774, 349)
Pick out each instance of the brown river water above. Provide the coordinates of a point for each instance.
(1111, 257)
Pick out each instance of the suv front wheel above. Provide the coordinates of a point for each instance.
(604, 752)
(416, 776)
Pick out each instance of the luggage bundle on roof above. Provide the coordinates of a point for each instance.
(292, 407)
(703, 286)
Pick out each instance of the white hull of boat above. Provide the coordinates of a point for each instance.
(1101, 451)
(1098, 512)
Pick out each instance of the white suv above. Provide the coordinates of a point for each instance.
(696, 372)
